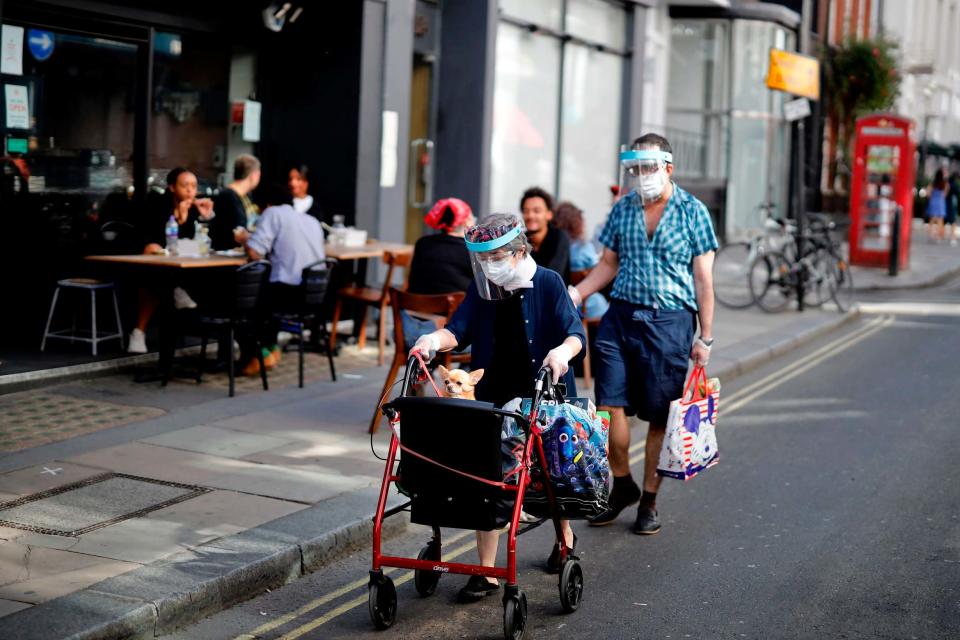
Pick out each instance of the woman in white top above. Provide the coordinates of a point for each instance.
(298, 182)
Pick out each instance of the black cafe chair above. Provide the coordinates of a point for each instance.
(120, 238)
(312, 312)
(241, 316)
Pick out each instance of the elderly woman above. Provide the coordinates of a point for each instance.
(518, 318)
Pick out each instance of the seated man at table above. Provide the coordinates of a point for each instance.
(233, 207)
(291, 240)
(179, 202)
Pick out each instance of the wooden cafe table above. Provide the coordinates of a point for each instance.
(170, 270)
(356, 274)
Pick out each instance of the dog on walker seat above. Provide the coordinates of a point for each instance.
(457, 383)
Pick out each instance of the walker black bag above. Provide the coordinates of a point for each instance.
(575, 448)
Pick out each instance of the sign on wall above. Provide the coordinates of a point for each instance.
(794, 73)
(18, 108)
(11, 50)
(41, 44)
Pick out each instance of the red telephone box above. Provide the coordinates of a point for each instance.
(883, 180)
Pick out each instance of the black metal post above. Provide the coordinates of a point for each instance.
(141, 123)
(894, 264)
(799, 208)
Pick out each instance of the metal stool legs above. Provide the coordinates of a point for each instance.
(71, 334)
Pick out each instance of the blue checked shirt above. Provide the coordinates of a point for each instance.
(659, 272)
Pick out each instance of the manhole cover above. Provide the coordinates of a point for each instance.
(96, 502)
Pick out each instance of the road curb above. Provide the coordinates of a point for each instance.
(935, 281)
(760, 357)
(184, 588)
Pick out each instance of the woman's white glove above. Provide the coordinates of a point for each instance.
(575, 296)
(557, 360)
(427, 346)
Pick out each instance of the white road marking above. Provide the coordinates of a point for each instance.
(792, 417)
(911, 308)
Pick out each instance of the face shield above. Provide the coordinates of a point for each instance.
(644, 171)
(493, 257)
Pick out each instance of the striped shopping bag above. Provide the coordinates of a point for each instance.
(690, 442)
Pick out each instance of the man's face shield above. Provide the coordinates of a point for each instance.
(641, 170)
(493, 260)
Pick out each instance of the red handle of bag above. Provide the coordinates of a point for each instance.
(698, 373)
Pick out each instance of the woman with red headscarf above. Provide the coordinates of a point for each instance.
(441, 262)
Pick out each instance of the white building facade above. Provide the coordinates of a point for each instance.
(928, 32)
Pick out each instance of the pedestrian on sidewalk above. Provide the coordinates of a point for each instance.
(659, 245)
(518, 318)
(937, 205)
(953, 206)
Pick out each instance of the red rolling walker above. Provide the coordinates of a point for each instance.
(453, 473)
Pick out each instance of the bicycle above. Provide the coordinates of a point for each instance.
(732, 262)
(821, 271)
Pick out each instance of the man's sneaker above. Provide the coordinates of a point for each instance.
(477, 588)
(182, 299)
(620, 499)
(553, 562)
(648, 521)
(137, 342)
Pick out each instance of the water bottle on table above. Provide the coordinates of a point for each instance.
(172, 232)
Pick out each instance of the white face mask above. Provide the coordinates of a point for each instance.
(652, 186)
(499, 272)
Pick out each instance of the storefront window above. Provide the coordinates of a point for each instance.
(557, 103)
(190, 109)
(590, 131)
(697, 97)
(525, 115)
(77, 135)
(597, 21)
(548, 13)
(760, 141)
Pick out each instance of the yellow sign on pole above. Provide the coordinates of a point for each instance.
(794, 73)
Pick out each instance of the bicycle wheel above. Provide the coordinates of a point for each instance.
(771, 282)
(821, 277)
(731, 271)
(844, 291)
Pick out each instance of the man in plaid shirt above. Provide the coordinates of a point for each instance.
(659, 245)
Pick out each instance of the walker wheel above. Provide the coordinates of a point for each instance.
(382, 601)
(514, 616)
(426, 581)
(571, 586)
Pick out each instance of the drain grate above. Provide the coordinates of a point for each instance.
(96, 502)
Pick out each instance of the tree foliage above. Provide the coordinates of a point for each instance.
(860, 76)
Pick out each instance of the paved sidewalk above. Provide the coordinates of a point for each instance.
(187, 501)
(931, 264)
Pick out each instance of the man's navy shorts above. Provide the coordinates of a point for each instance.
(643, 357)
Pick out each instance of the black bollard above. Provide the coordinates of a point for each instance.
(894, 265)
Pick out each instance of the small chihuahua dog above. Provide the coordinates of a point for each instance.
(457, 383)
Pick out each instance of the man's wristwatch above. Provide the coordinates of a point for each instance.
(707, 342)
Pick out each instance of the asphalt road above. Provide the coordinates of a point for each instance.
(834, 513)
